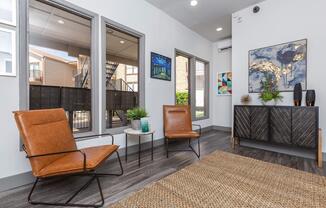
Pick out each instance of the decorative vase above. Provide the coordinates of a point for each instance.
(144, 124)
(297, 94)
(310, 98)
(269, 103)
(135, 124)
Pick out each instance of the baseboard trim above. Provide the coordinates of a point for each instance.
(222, 128)
(22, 179)
(298, 152)
(16, 181)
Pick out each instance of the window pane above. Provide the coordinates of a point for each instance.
(7, 11)
(182, 81)
(6, 52)
(60, 62)
(8, 67)
(200, 89)
(122, 76)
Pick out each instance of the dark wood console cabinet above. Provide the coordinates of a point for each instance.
(282, 125)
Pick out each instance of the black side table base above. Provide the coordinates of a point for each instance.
(139, 147)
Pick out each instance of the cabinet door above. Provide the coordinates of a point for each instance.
(241, 122)
(259, 123)
(280, 118)
(304, 127)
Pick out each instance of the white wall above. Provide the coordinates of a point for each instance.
(281, 21)
(163, 35)
(222, 104)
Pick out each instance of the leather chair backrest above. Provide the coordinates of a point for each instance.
(43, 132)
(177, 118)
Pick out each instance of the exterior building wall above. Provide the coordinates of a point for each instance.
(57, 73)
(182, 65)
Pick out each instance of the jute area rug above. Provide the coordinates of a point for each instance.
(228, 180)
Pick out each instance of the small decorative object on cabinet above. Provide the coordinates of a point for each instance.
(297, 94)
(245, 99)
(134, 115)
(310, 98)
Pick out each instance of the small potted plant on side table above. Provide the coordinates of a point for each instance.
(134, 115)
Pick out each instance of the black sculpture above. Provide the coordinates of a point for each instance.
(297, 94)
(310, 98)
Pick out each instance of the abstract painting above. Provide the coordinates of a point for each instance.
(224, 83)
(160, 67)
(285, 63)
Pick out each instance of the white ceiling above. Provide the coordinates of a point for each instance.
(128, 50)
(206, 16)
(45, 31)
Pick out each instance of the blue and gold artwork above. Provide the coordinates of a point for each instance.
(285, 63)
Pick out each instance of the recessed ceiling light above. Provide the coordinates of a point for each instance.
(193, 2)
(61, 22)
(219, 29)
(122, 41)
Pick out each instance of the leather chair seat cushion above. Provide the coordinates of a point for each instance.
(74, 162)
(181, 134)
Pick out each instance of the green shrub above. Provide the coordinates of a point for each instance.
(182, 98)
(136, 113)
(270, 91)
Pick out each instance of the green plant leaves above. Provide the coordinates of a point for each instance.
(270, 91)
(182, 98)
(136, 113)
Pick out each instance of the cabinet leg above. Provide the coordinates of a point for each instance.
(234, 142)
(320, 150)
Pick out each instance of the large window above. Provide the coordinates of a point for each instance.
(60, 66)
(182, 86)
(191, 84)
(200, 94)
(7, 37)
(123, 74)
(8, 12)
(7, 52)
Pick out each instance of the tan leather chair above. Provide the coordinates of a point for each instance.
(51, 149)
(178, 126)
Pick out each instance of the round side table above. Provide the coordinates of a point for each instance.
(140, 135)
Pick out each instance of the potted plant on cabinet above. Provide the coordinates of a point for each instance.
(134, 115)
(270, 92)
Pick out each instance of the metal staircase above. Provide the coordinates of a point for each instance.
(83, 76)
(116, 85)
(110, 67)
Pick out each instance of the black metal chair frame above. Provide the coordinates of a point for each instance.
(189, 144)
(90, 173)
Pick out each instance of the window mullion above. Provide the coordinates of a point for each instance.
(192, 83)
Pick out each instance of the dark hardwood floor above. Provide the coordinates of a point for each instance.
(135, 178)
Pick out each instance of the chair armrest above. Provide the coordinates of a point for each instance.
(199, 128)
(98, 135)
(58, 153)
